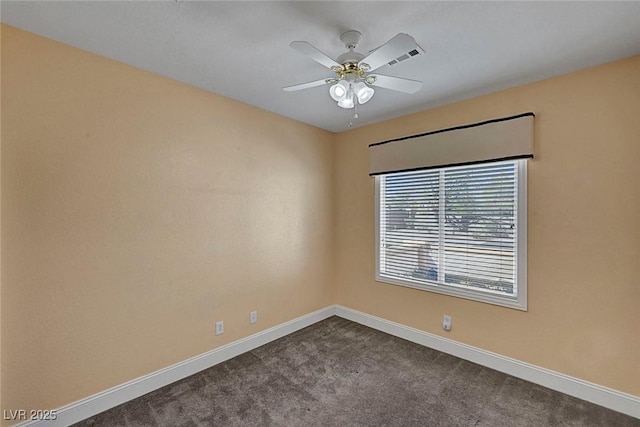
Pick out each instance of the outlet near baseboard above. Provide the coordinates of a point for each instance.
(446, 323)
(219, 328)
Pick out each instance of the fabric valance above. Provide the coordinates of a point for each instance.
(505, 138)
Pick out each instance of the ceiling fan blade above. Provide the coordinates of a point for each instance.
(396, 83)
(308, 85)
(400, 45)
(306, 49)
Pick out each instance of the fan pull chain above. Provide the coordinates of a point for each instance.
(355, 115)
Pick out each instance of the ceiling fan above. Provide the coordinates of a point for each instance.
(353, 80)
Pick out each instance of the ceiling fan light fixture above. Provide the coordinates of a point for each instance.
(363, 92)
(339, 90)
(351, 84)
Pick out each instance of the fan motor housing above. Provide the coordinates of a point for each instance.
(350, 56)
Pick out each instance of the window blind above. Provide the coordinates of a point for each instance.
(453, 227)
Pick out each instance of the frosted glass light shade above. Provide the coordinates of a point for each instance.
(347, 101)
(339, 90)
(363, 92)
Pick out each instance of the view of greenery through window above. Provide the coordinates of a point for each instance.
(453, 226)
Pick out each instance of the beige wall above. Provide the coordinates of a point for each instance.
(136, 212)
(584, 232)
(1, 407)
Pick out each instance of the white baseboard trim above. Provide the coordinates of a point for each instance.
(603, 396)
(100, 402)
(118, 395)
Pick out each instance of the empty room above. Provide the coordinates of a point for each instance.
(332, 213)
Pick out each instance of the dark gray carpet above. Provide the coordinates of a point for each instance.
(340, 373)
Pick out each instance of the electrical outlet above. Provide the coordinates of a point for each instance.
(219, 328)
(446, 323)
(253, 317)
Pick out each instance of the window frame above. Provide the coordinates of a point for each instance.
(519, 301)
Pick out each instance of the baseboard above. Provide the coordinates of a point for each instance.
(118, 395)
(612, 399)
(100, 402)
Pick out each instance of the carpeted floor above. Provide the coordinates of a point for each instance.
(340, 373)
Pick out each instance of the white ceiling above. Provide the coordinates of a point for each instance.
(241, 49)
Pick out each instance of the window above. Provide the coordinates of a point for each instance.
(457, 230)
(451, 209)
